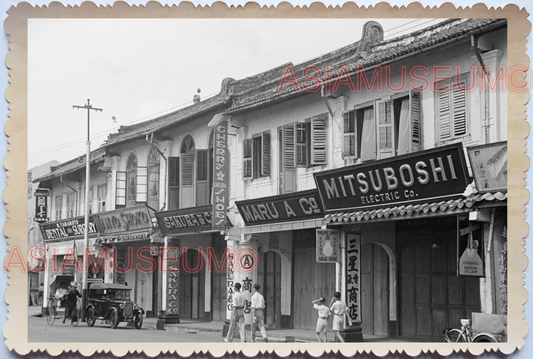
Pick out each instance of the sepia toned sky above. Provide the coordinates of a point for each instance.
(137, 69)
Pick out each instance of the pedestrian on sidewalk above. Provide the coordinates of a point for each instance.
(258, 313)
(339, 309)
(72, 298)
(322, 321)
(237, 315)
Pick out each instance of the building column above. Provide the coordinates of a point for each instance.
(46, 281)
(169, 260)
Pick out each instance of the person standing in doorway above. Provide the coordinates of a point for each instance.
(237, 315)
(322, 321)
(339, 309)
(258, 313)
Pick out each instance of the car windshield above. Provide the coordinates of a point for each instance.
(119, 294)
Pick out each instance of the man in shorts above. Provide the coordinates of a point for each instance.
(322, 321)
(237, 315)
(258, 313)
(339, 309)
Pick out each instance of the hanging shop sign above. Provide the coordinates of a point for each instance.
(471, 251)
(353, 272)
(125, 219)
(327, 245)
(283, 208)
(68, 228)
(489, 166)
(187, 220)
(221, 177)
(41, 206)
(431, 175)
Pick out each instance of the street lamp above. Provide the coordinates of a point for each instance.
(84, 288)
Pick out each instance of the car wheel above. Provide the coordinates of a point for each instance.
(113, 319)
(91, 318)
(138, 320)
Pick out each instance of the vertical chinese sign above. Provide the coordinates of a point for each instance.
(353, 267)
(41, 207)
(221, 176)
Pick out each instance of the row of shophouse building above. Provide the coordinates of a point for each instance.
(388, 188)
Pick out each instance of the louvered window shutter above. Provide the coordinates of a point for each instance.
(318, 139)
(289, 150)
(459, 108)
(173, 182)
(202, 165)
(187, 167)
(265, 172)
(247, 158)
(349, 134)
(302, 146)
(416, 121)
(120, 193)
(368, 135)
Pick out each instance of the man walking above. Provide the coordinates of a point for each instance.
(237, 315)
(339, 309)
(322, 321)
(72, 298)
(258, 313)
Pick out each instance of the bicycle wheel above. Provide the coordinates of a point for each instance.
(455, 336)
(484, 338)
(75, 318)
(51, 316)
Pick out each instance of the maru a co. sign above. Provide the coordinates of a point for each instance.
(430, 175)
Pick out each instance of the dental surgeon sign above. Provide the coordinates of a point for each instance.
(433, 175)
(327, 245)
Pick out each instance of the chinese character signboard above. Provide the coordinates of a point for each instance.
(221, 176)
(327, 245)
(436, 174)
(489, 166)
(41, 207)
(353, 270)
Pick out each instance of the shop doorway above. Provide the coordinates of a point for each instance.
(219, 282)
(269, 277)
(310, 280)
(192, 287)
(374, 290)
(431, 295)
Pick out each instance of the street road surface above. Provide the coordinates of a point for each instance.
(39, 331)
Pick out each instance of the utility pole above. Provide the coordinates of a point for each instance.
(84, 287)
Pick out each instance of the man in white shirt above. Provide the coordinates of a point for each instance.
(258, 313)
(237, 315)
(322, 321)
(339, 309)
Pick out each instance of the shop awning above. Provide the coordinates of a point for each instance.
(283, 226)
(131, 236)
(452, 206)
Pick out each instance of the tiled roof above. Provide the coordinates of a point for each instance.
(73, 165)
(353, 59)
(127, 133)
(402, 212)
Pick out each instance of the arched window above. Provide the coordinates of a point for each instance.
(153, 178)
(131, 184)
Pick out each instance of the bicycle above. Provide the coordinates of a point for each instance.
(75, 316)
(465, 335)
(51, 313)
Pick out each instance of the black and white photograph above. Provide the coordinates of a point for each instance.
(271, 180)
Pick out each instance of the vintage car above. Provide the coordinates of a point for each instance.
(111, 301)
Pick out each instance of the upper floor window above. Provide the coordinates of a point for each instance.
(132, 185)
(383, 128)
(452, 118)
(71, 205)
(153, 178)
(58, 207)
(102, 193)
(256, 156)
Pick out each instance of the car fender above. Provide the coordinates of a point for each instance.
(485, 336)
